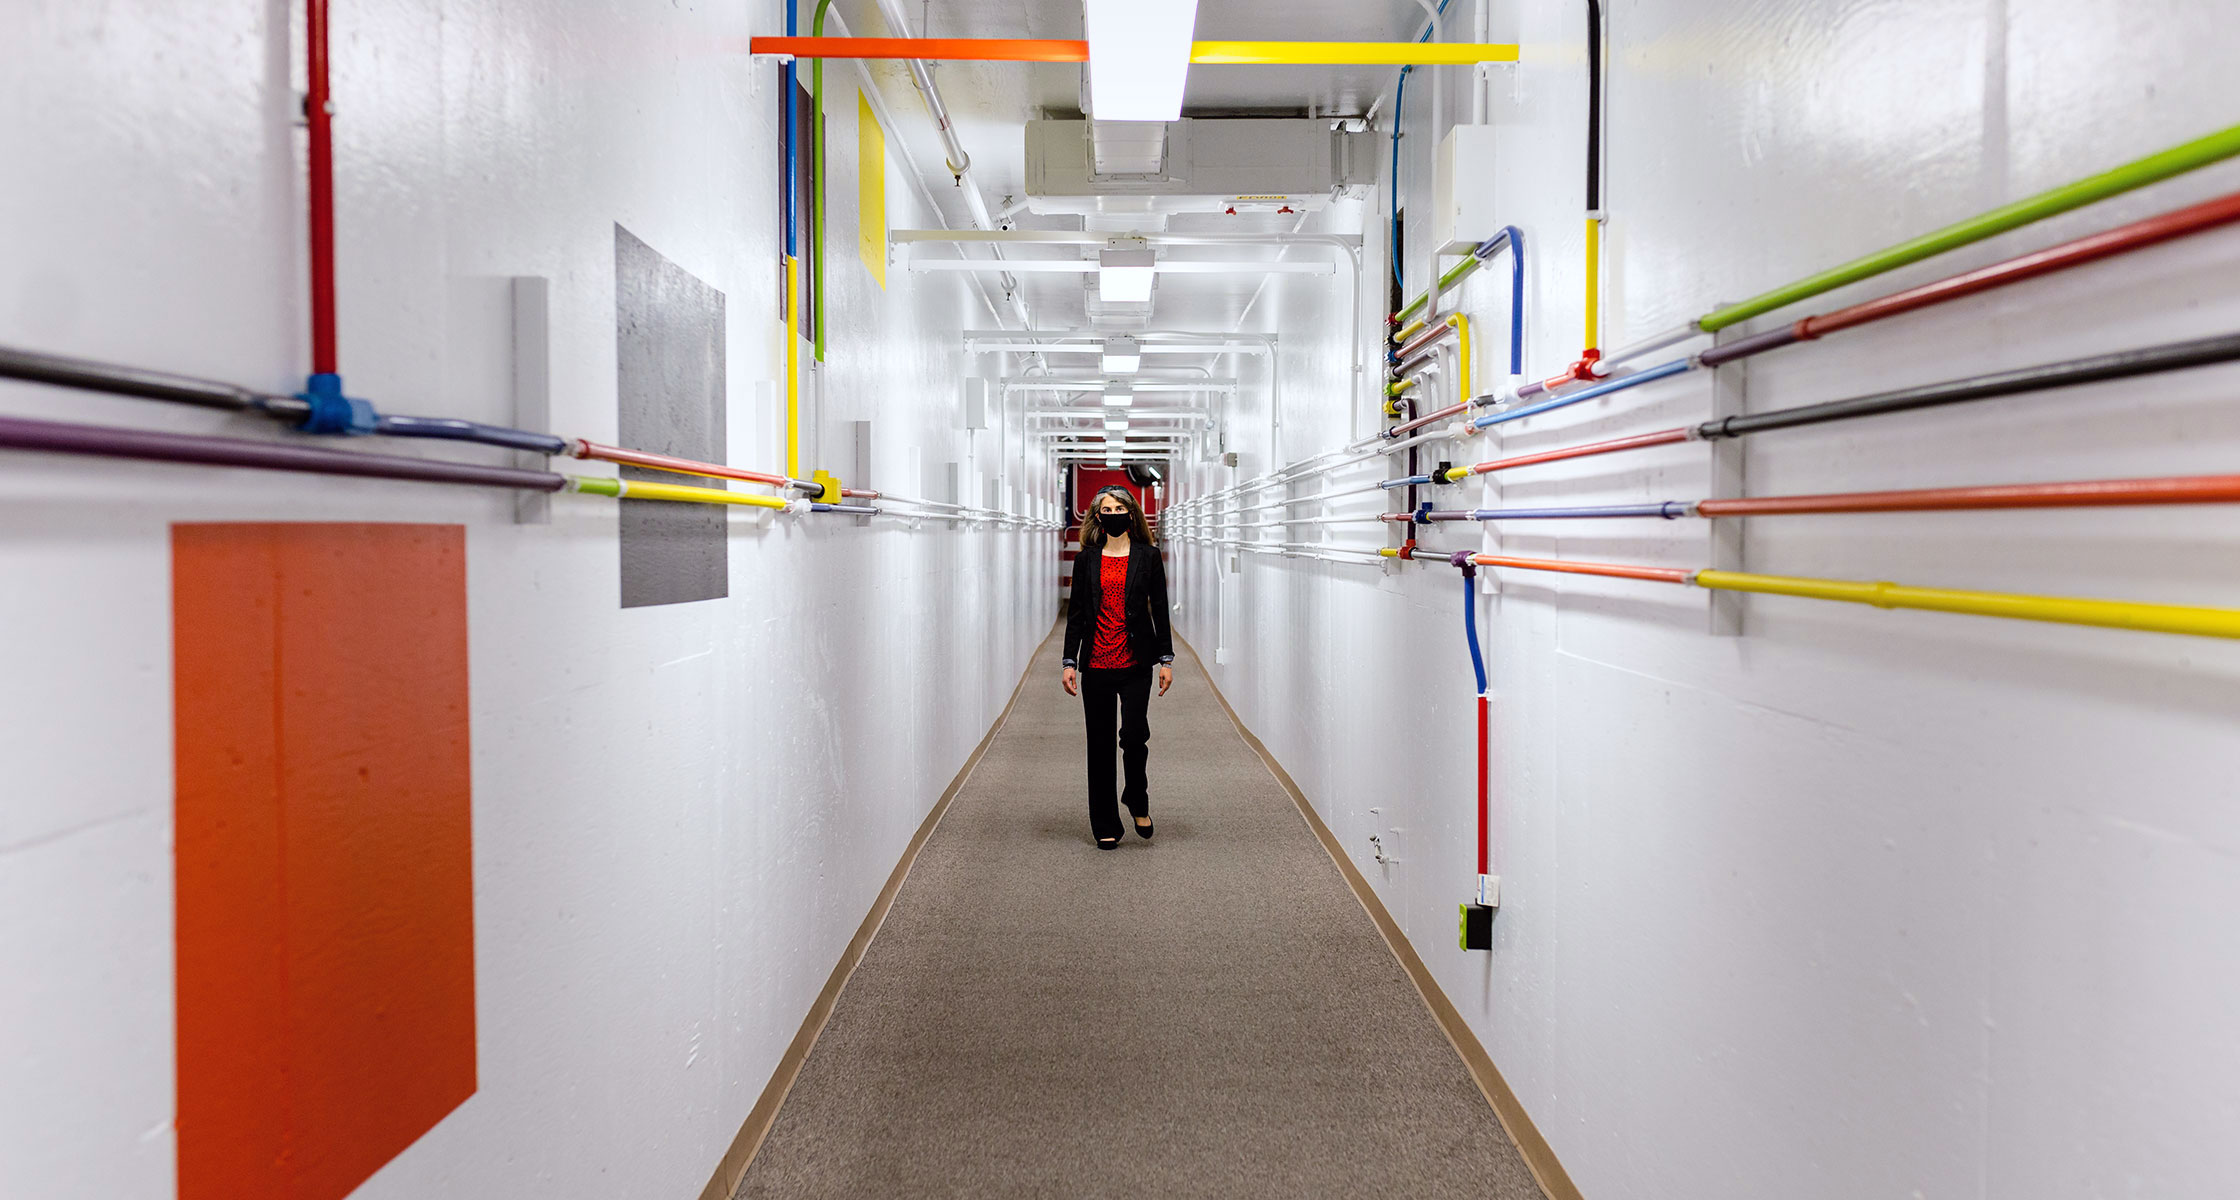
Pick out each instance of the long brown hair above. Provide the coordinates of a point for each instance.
(1092, 530)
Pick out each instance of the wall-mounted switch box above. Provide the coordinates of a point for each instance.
(975, 404)
(1462, 191)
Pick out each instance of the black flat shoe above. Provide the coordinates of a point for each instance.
(1102, 844)
(1143, 828)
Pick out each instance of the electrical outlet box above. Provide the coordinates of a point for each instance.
(1221, 656)
(1462, 192)
(1476, 927)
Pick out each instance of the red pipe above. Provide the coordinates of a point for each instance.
(1662, 437)
(1052, 50)
(667, 462)
(2091, 493)
(2224, 210)
(1484, 832)
(1614, 570)
(318, 113)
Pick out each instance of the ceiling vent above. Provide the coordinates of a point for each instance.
(1193, 165)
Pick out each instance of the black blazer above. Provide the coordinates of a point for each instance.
(1150, 638)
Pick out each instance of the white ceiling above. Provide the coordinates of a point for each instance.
(990, 104)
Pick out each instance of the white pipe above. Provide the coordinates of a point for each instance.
(958, 161)
(1437, 94)
(1481, 76)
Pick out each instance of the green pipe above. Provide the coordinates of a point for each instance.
(2177, 160)
(816, 201)
(1446, 281)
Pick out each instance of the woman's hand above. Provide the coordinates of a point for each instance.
(1072, 679)
(1166, 678)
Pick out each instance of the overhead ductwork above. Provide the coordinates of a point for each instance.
(1193, 165)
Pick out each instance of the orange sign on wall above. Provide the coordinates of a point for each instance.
(325, 891)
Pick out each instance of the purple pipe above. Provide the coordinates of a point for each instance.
(1756, 343)
(102, 441)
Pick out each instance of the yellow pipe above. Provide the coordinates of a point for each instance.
(1462, 331)
(638, 489)
(1389, 552)
(793, 368)
(2111, 614)
(1394, 389)
(1409, 332)
(1390, 54)
(1594, 283)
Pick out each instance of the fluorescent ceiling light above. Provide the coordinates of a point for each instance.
(1124, 276)
(1122, 356)
(1139, 57)
(1119, 395)
(1113, 421)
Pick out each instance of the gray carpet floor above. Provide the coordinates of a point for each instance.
(1208, 1013)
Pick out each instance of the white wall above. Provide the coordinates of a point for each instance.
(680, 813)
(1860, 903)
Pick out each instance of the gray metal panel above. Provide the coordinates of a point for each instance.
(532, 385)
(669, 394)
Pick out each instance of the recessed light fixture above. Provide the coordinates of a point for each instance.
(1139, 57)
(1122, 356)
(1118, 395)
(1124, 276)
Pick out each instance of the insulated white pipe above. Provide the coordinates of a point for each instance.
(958, 162)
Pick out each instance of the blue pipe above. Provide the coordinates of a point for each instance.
(1619, 384)
(1670, 510)
(793, 134)
(1410, 481)
(1513, 238)
(1399, 97)
(453, 430)
(1470, 624)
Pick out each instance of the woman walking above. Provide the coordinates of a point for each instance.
(1119, 618)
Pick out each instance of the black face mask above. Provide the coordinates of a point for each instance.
(1115, 524)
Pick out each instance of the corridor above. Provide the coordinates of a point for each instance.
(1207, 1013)
(1702, 539)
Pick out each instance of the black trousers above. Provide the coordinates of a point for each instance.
(1129, 691)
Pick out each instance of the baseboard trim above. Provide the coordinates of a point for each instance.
(740, 1156)
(1554, 1181)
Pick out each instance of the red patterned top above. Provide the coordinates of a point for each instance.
(1110, 649)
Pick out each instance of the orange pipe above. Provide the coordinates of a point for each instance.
(2090, 493)
(1614, 570)
(1051, 50)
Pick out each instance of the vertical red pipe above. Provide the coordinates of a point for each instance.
(317, 111)
(1484, 833)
